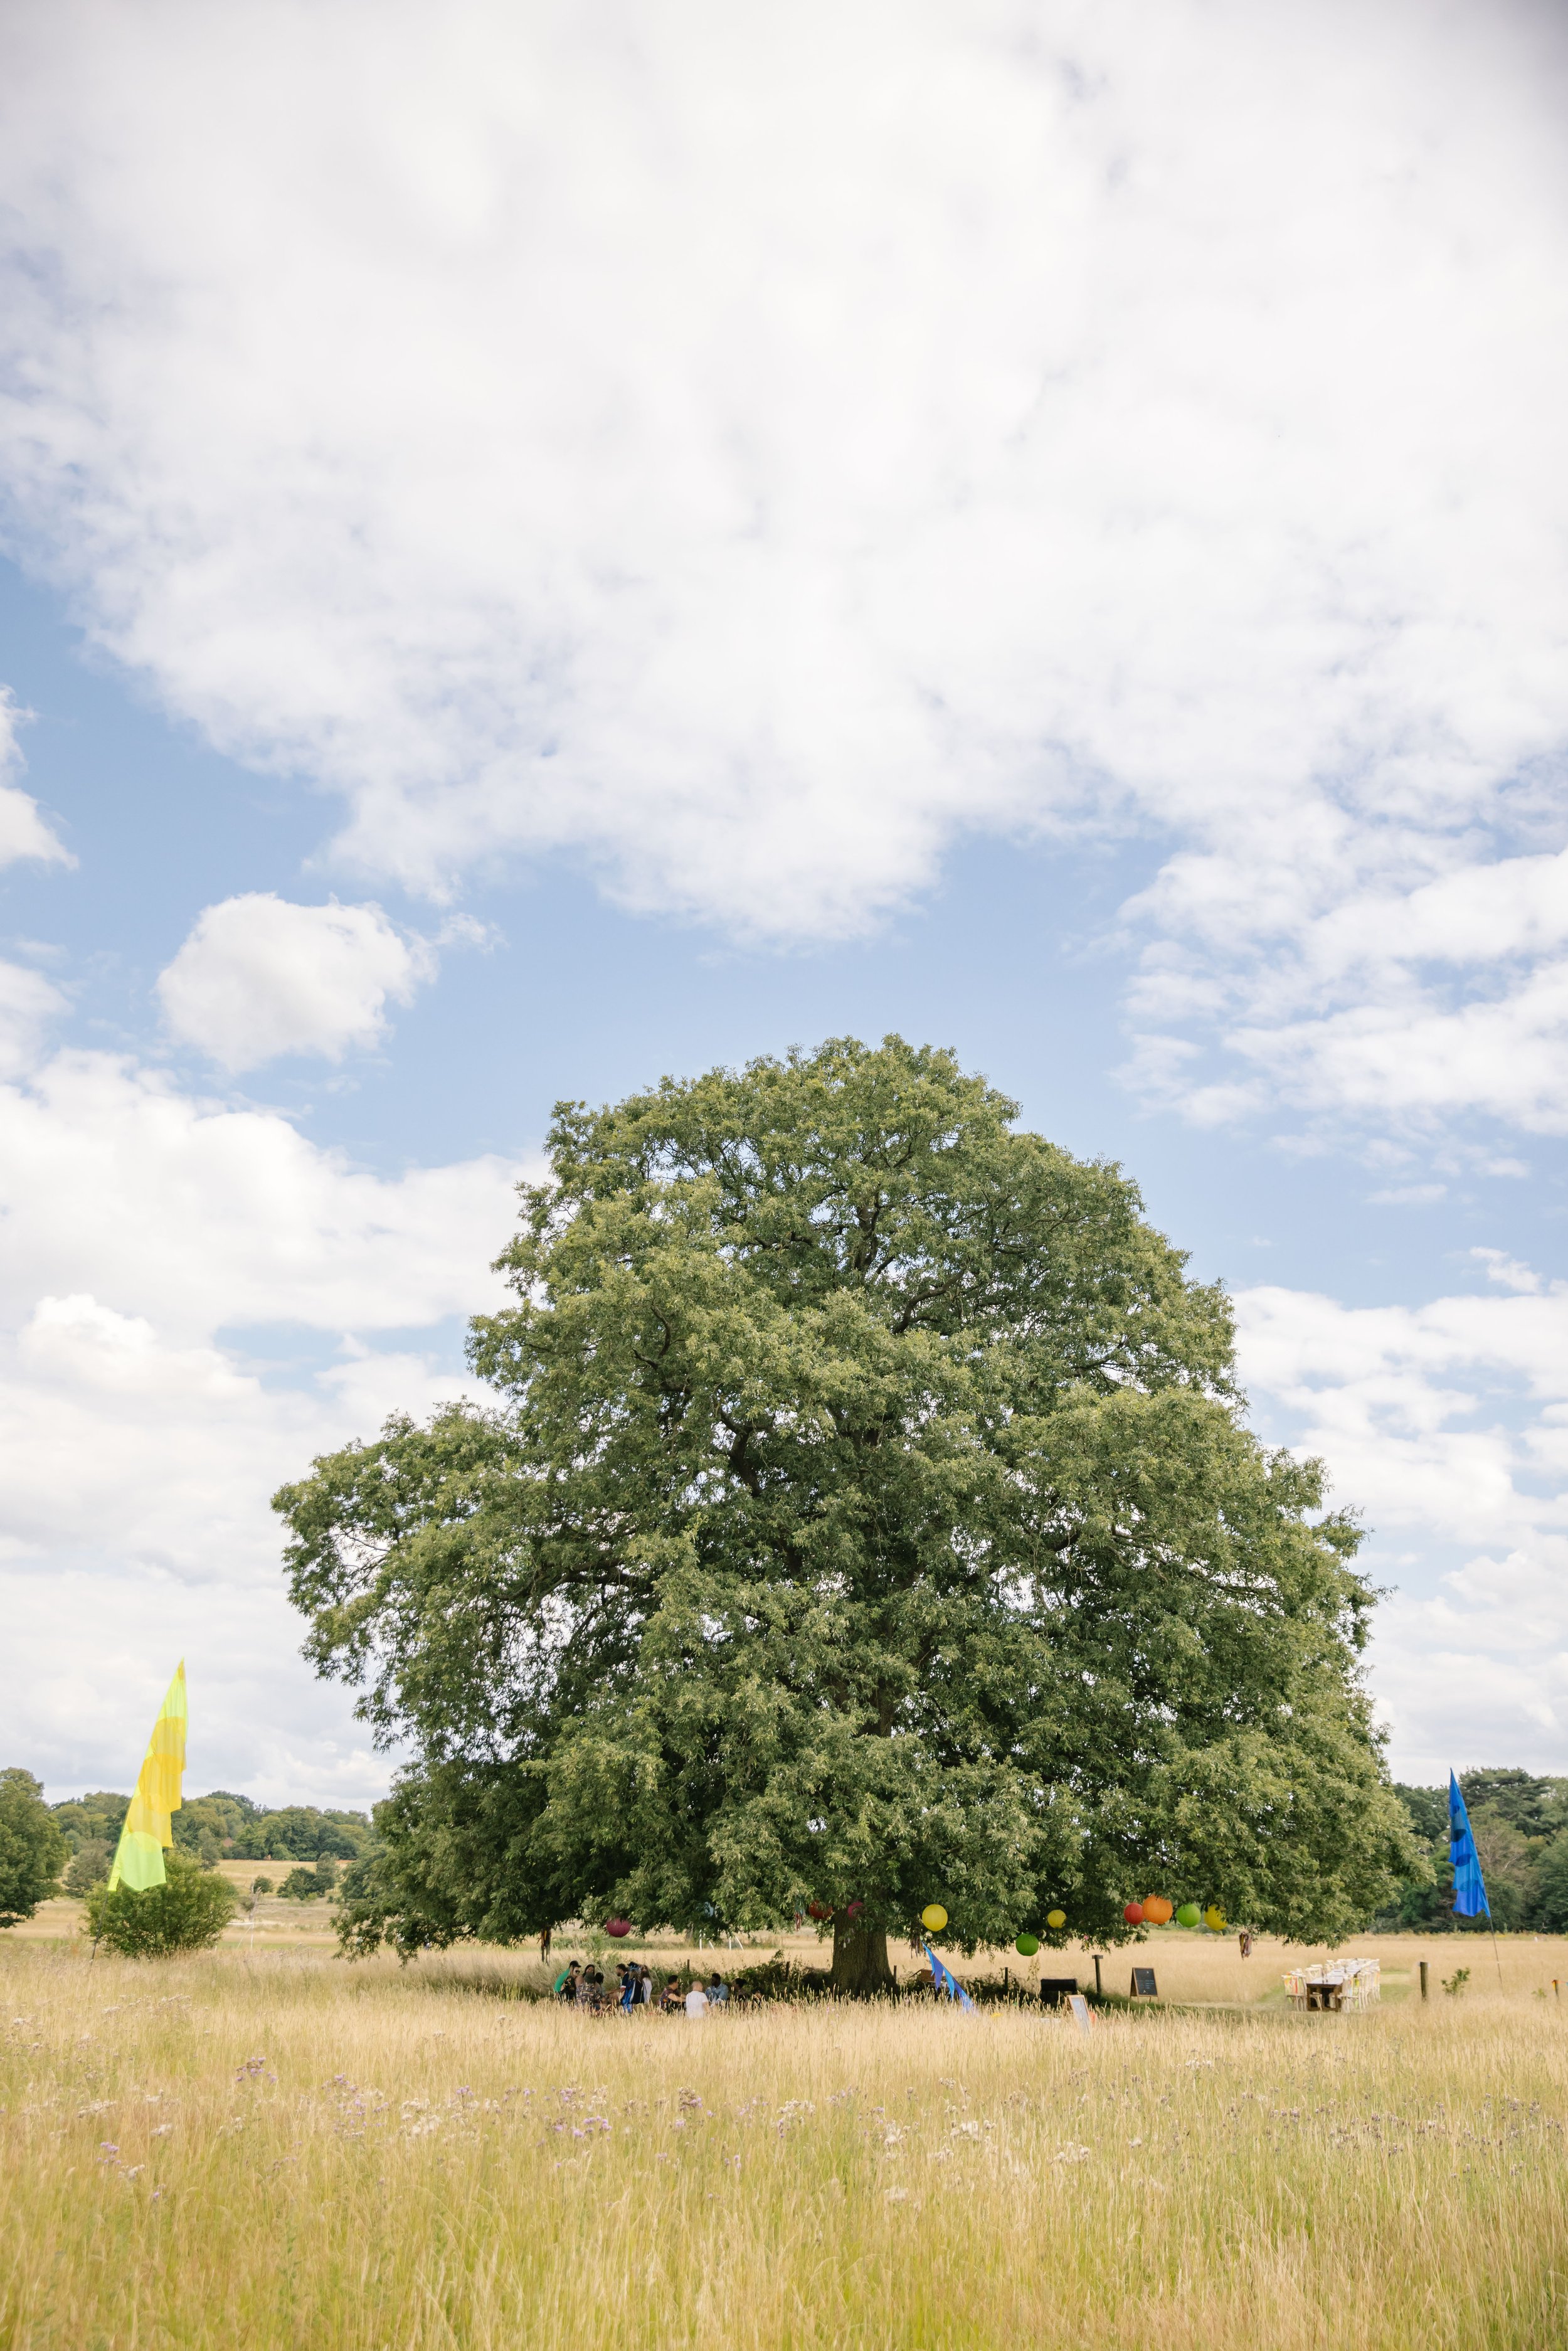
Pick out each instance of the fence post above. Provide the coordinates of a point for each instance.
(1423, 1979)
(1097, 1991)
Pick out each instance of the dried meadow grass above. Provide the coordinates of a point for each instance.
(280, 2150)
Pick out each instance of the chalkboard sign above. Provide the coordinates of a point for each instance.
(1054, 1989)
(1143, 1984)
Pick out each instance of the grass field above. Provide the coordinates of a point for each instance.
(264, 2148)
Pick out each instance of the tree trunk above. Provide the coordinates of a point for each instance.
(860, 1959)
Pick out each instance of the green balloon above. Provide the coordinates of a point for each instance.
(1026, 1946)
(1190, 1915)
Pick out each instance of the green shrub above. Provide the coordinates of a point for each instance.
(187, 1913)
(301, 1885)
(89, 1866)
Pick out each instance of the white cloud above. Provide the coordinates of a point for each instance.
(1447, 1426)
(198, 1216)
(258, 976)
(748, 448)
(28, 1004)
(1391, 1007)
(155, 1250)
(23, 832)
(97, 1650)
(1508, 1271)
(136, 1529)
(1413, 1054)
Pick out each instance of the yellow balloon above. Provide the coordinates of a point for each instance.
(1055, 1918)
(934, 1917)
(1214, 1920)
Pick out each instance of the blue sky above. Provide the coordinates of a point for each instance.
(706, 534)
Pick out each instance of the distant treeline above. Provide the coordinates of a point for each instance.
(1519, 1820)
(222, 1826)
(1520, 1825)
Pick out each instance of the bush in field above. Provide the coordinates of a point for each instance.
(301, 1885)
(32, 1847)
(187, 1913)
(89, 1866)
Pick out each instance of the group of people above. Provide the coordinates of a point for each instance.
(582, 1986)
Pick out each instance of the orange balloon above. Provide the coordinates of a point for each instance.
(1156, 1909)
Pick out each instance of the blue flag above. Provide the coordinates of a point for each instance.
(945, 1981)
(1470, 1886)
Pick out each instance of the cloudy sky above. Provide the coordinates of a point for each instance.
(548, 544)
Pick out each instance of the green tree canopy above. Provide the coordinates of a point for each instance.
(1528, 1803)
(866, 1518)
(91, 1819)
(301, 1833)
(33, 1849)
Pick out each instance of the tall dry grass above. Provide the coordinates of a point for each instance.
(278, 2150)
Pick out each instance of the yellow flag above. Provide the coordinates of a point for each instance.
(139, 1862)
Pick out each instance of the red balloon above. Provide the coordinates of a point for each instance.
(855, 1908)
(617, 1926)
(1134, 1914)
(818, 1910)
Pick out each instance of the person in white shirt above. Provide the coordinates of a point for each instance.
(697, 2001)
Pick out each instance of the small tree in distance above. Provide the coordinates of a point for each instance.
(865, 1518)
(187, 1913)
(89, 1866)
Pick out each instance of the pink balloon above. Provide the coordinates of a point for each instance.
(855, 1909)
(617, 1926)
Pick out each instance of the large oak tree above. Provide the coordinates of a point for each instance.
(865, 1516)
